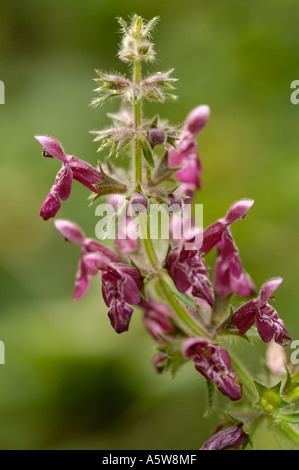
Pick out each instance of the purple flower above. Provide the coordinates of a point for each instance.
(187, 269)
(214, 363)
(157, 319)
(213, 234)
(72, 168)
(72, 233)
(230, 438)
(120, 285)
(186, 156)
(259, 311)
(229, 275)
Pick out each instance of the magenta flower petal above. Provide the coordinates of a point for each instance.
(269, 325)
(244, 317)
(82, 281)
(51, 205)
(197, 119)
(187, 269)
(73, 168)
(70, 231)
(117, 289)
(85, 173)
(230, 438)
(186, 157)
(64, 181)
(238, 210)
(214, 363)
(229, 275)
(52, 147)
(213, 234)
(93, 246)
(269, 288)
(120, 315)
(95, 262)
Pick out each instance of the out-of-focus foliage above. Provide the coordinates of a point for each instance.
(69, 380)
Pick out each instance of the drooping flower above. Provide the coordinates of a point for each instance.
(186, 156)
(230, 438)
(187, 269)
(259, 311)
(120, 285)
(72, 168)
(214, 363)
(72, 233)
(213, 234)
(229, 275)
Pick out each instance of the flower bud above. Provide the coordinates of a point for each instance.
(156, 136)
(175, 203)
(197, 119)
(139, 203)
(159, 362)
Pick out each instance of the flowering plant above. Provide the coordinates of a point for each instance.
(190, 312)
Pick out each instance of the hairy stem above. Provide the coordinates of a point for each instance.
(162, 283)
(137, 122)
(191, 326)
(248, 385)
(149, 249)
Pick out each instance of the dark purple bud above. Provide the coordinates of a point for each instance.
(156, 136)
(139, 203)
(159, 362)
(175, 203)
(231, 438)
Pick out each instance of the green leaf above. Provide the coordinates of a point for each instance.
(183, 297)
(147, 151)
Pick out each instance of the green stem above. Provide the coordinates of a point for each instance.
(191, 326)
(290, 432)
(248, 385)
(137, 123)
(162, 282)
(144, 228)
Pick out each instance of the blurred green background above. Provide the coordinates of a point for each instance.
(69, 381)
